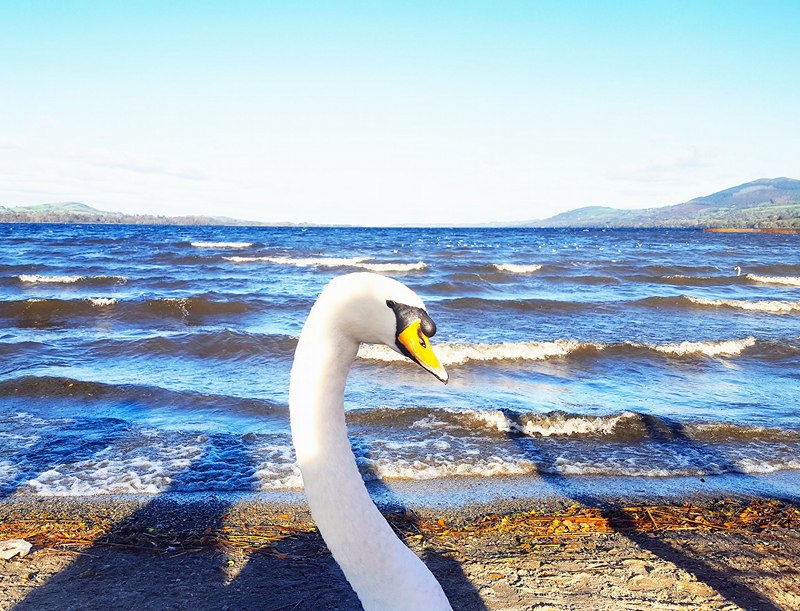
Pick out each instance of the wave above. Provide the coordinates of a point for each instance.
(781, 280)
(49, 388)
(220, 245)
(192, 306)
(731, 347)
(682, 280)
(628, 426)
(787, 269)
(517, 268)
(182, 307)
(88, 280)
(430, 468)
(772, 307)
(459, 354)
(332, 262)
(225, 344)
(522, 305)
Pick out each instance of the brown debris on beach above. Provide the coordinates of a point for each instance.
(722, 554)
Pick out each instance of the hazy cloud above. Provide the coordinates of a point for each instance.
(129, 163)
(666, 169)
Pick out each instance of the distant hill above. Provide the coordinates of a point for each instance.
(75, 212)
(763, 203)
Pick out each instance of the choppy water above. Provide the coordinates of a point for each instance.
(147, 359)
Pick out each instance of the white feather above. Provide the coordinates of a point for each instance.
(385, 574)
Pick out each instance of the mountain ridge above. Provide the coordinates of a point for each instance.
(761, 203)
(765, 203)
(77, 212)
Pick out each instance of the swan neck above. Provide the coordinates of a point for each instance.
(385, 574)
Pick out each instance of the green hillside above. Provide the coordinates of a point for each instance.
(75, 212)
(763, 203)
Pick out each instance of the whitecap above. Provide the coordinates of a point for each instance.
(222, 244)
(43, 279)
(731, 347)
(359, 262)
(773, 307)
(36, 278)
(491, 466)
(551, 424)
(459, 354)
(514, 268)
(782, 280)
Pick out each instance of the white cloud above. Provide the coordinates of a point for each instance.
(129, 163)
(666, 168)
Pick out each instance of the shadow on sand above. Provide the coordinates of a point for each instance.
(126, 569)
(724, 582)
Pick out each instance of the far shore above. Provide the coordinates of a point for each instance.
(750, 230)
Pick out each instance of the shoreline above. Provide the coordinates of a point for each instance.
(470, 495)
(210, 551)
(787, 230)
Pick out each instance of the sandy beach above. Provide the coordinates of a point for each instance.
(223, 553)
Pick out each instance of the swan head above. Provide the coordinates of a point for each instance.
(375, 309)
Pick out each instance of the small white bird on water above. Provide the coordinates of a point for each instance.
(355, 309)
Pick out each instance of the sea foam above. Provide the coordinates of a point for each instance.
(550, 424)
(458, 354)
(359, 262)
(773, 307)
(731, 347)
(514, 268)
(102, 301)
(42, 279)
(782, 280)
(222, 244)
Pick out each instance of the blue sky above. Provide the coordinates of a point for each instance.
(381, 113)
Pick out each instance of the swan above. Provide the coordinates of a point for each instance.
(353, 309)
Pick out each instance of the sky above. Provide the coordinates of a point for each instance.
(383, 113)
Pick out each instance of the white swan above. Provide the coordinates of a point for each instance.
(354, 309)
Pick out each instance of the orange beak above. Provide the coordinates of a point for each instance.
(418, 348)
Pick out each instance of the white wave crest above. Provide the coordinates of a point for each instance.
(35, 278)
(222, 244)
(458, 354)
(547, 425)
(491, 466)
(461, 354)
(102, 301)
(394, 267)
(782, 280)
(773, 307)
(360, 262)
(40, 279)
(754, 465)
(709, 348)
(105, 476)
(514, 268)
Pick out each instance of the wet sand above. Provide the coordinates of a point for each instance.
(250, 553)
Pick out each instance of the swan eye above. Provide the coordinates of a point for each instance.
(391, 304)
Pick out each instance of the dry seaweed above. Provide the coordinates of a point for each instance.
(513, 533)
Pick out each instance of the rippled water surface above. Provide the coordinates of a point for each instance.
(146, 359)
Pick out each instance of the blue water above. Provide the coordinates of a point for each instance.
(145, 359)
